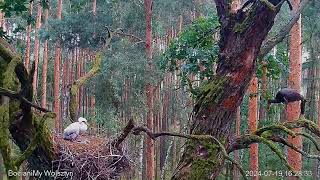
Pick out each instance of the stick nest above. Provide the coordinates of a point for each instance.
(90, 157)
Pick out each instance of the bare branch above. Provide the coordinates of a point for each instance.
(126, 131)
(154, 136)
(17, 96)
(268, 44)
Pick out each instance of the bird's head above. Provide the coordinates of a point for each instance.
(82, 120)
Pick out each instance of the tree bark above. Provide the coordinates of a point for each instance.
(253, 124)
(45, 64)
(294, 82)
(149, 92)
(74, 99)
(216, 106)
(18, 119)
(36, 48)
(56, 82)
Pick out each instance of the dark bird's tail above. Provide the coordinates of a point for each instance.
(302, 106)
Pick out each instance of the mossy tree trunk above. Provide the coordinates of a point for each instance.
(17, 120)
(74, 89)
(242, 34)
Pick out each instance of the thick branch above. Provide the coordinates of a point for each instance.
(80, 82)
(126, 131)
(269, 43)
(154, 136)
(268, 131)
(275, 127)
(304, 123)
(242, 142)
(35, 140)
(17, 96)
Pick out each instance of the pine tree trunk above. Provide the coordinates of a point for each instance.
(28, 40)
(293, 109)
(253, 124)
(149, 92)
(56, 82)
(45, 65)
(36, 48)
(315, 104)
(217, 104)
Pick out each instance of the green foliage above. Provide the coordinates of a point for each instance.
(276, 64)
(194, 51)
(10, 7)
(78, 28)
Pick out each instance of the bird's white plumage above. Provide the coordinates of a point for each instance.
(74, 129)
(82, 125)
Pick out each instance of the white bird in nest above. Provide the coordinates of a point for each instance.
(74, 129)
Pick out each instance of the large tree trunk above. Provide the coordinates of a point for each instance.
(294, 82)
(149, 92)
(216, 107)
(56, 82)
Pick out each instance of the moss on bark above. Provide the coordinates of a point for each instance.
(73, 106)
(9, 81)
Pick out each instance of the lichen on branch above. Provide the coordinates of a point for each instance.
(80, 82)
(277, 133)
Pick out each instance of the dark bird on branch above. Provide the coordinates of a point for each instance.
(287, 95)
